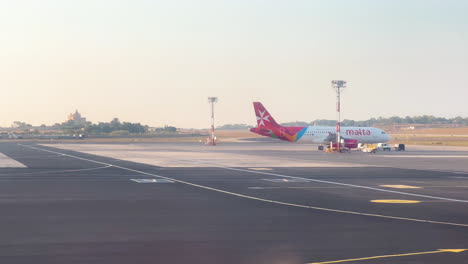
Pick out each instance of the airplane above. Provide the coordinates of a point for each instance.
(323, 135)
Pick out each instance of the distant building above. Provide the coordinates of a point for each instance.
(76, 118)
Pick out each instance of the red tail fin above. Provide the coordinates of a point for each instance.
(264, 119)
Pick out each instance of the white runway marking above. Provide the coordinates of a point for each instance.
(336, 183)
(7, 162)
(256, 198)
(151, 181)
(444, 186)
(339, 187)
(36, 157)
(284, 187)
(285, 180)
(449, 171)
(44, 172)
(422, 156)
(62, 179)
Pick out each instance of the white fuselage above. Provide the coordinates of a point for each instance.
(323, 134)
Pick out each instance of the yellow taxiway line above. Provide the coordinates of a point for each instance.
(393, 256)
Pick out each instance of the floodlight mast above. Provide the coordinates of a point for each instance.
(212, 101)
(338, 85)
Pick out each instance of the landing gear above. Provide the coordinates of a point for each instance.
(320, 147)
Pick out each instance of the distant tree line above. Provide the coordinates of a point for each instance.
(114, 127)
(234, 127)
(21, 125)
(297, 123)
(169, 129)
(425, 119)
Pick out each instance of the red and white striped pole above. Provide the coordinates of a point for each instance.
(338, 85)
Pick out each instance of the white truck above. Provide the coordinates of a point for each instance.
(383, 146)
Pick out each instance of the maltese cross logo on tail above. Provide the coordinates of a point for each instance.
(262, 118)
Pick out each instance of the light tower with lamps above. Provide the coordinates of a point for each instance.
(338, 85)
(212, 101)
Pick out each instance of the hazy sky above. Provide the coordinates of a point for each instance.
(156, 62)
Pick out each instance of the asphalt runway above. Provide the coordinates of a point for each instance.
(76, 207)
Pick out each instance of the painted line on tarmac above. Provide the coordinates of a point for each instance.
(340, 187)
(447, 171)
(423, 156)
(335, 183)
(358, 165)
(33, 157)
(252, 197)
(42, 172)
(444, 186)
(299, 187)
(395, 255)
(62, 180)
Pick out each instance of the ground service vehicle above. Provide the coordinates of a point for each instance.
(399, 147)
(384, 147)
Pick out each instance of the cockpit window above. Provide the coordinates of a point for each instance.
(383, 132)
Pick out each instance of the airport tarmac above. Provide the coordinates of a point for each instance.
(244, 202)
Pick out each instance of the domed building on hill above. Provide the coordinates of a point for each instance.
(76, 118)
